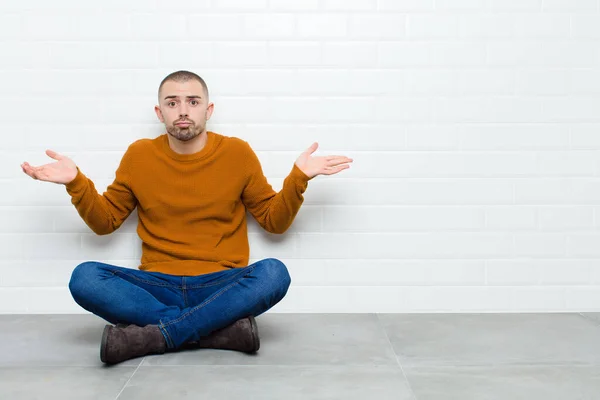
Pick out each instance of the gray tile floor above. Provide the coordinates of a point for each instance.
(319, 356)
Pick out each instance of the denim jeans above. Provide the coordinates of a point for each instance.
(185, 308)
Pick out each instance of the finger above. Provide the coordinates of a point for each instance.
(54, 155)
(333, 156)
(26, 171)
(33, 172)
(335, 170)
(313, 147)
(29, 172)
(335, 162)
(40, 175)
(29, 166)
(338, 159)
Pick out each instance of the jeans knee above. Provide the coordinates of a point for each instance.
(277, 272)
(81, 277)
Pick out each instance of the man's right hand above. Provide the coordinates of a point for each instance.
(62, 171)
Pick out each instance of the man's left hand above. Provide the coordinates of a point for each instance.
(322, 165)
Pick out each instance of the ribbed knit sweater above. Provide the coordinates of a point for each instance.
(191, 207)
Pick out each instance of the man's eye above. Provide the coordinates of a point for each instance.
(194, 102)
(171, 103)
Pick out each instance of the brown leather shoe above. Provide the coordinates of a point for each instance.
(242, 335)
(120, 344)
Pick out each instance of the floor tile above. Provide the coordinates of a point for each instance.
(301, 339)
(49, 383)
(507, 382)
(592, 316)
(489, 339)
(52, 340)
(268, 382)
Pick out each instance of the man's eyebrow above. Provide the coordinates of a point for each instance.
(189, 97)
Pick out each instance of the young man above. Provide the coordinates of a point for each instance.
(192, 188)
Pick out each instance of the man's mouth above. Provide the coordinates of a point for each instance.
(183, 124)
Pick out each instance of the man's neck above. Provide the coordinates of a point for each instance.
(190, 146)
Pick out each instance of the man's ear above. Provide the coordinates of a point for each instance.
(209, 110)
(159, 113)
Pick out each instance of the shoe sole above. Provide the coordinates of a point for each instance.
(254, 334)
(103, 343)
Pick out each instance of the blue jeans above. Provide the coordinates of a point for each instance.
(185, 308)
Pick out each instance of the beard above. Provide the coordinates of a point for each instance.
(185, 134)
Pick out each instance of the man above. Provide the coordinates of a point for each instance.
(192, 188)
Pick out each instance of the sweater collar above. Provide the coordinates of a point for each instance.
(205, 152)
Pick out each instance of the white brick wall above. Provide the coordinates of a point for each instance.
(474, 126)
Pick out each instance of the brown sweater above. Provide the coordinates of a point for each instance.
(191, 207)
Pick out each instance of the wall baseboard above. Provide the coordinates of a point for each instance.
(362, 299)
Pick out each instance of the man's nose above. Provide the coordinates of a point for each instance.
(183, 111)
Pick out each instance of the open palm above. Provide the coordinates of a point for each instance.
(321, 165)
(62, 171)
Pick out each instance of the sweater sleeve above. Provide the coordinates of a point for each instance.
(104, 213)
(274, 211)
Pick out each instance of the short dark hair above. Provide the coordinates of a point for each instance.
(183, 76)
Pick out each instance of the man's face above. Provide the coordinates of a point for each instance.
(184, 109)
